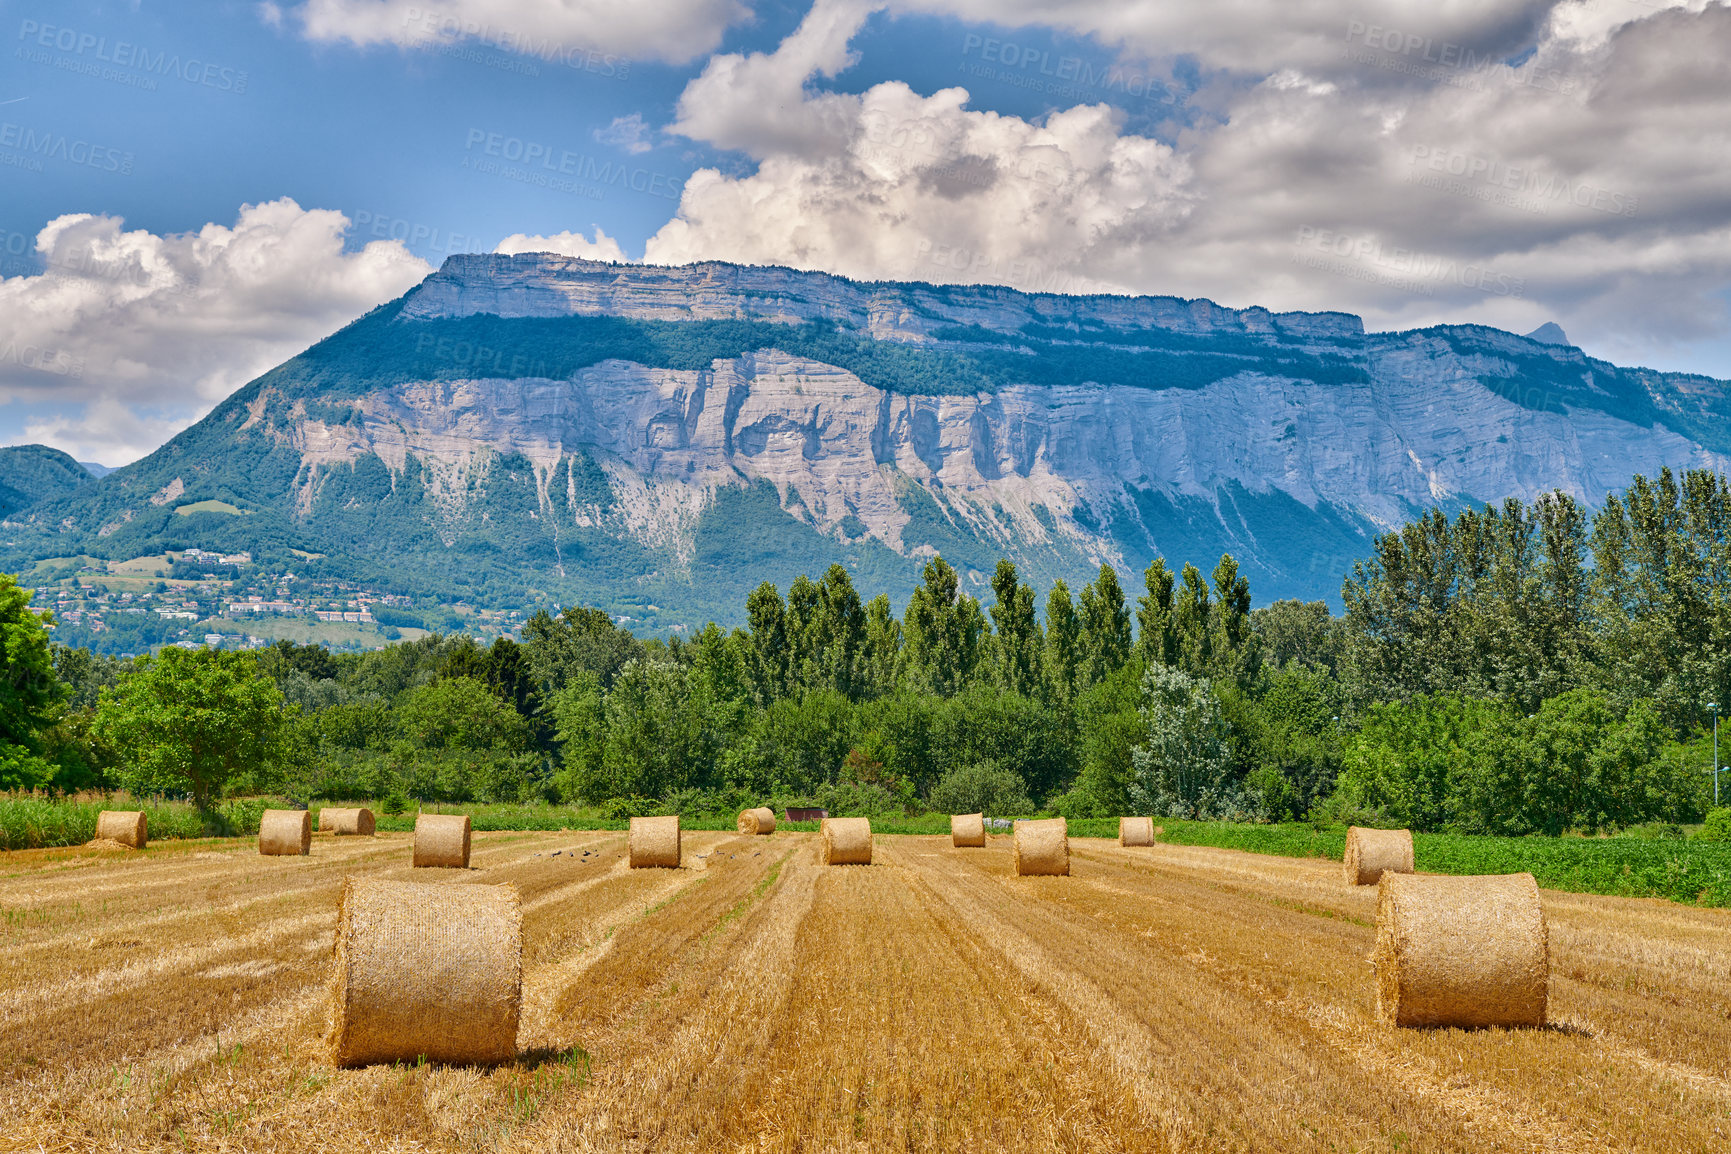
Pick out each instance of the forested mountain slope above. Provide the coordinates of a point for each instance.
(30, 474)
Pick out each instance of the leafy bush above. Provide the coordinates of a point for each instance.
(982, 787)
(1717, 827)
(859, 799)
(1082, 801)
(1478, 766)
(719, 803)
(626, 808)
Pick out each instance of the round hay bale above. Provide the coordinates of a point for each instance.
(1372, 852)
(347, 821)
(1460, 951)
(846, 840)
(1043, 848)
(126, 826)
(285, 833)
(756, 821)
(442, 840)
(426, 970)
(968, 829)
(654, 841)
(1135, 831)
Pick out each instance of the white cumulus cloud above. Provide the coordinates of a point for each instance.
(627, 132)
(602, 247)
(554, 30)
(760, 104)
(1265, 36)
(1486, 161)
(127, 336)
(890, 183)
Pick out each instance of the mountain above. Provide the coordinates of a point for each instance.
(96, 469)
(657, 440)
(33, 473)
(1549, 333)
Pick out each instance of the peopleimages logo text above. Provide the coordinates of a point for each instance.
(430, 22)
(1337, 252)
(53, 146)
(124, 54)
(1069, 74)
(563, 162)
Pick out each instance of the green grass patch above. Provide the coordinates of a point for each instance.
(210, 507)
(1689, 871)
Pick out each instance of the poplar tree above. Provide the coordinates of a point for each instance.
(1018, 642)
(1156, 641)
(1193, 622)
(942, 628)
(767, 614)
(837, 635)
(1063, 643)
(1234, 644)
(881, 659)
(1105, 634)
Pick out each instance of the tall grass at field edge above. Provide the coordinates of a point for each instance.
(1691, 872)
(40, 821)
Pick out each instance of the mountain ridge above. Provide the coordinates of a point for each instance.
(539, 428)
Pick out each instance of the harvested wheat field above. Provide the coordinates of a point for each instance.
(1158, 998)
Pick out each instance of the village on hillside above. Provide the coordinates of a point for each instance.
(198, 599)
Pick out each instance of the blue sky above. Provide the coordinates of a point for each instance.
(380, 132)
(377, 130)
(1531, 161)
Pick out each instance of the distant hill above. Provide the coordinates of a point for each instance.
(32, 473)
(96, 469)
(657, 440)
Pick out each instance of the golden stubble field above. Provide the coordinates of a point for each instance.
(1157, 999)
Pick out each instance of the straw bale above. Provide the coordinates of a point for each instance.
(846, 840)
(968, 829)
(1460, 951)
(285, 833)
(347, 821)
(1043, 847)
(1135, 831)
(126, 826)
(1372, 852)
(755, 821)
(426, 970)
(654, 841)
(442, 840)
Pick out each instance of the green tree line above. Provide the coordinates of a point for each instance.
(1512, 669)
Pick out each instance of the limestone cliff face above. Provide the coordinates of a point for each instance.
(840, 445)
(1303, 438)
